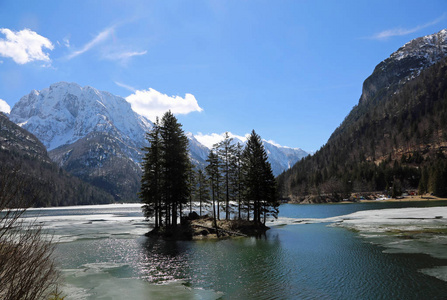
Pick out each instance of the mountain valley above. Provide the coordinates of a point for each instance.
(98, 138)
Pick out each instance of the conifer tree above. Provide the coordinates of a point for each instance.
(151, 181)
(164, 185)
(225, 152)
(202, 191)
(236, 177)
(259, 182)
(174, 145)
(192, 184)
(214, 178)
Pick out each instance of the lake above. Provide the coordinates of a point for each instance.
(103, 254)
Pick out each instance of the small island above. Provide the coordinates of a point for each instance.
(236, 186)
(194, 227)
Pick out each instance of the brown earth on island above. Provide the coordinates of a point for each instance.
(198, 228)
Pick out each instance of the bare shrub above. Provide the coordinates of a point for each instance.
(27, 268)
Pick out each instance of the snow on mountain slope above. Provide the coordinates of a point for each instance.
(86, 130)
(199, 152)
(431, 47)
(405, 64)
(67, 112)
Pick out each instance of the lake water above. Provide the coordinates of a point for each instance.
(104, 255)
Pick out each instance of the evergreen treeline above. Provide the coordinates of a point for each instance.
(393, 142)
(241, 180)
(237, 183)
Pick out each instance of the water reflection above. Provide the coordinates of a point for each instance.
(244, 268)
(164, 261)
(292, 262)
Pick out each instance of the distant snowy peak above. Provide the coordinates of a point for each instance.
(199, 152)
(66, 112)
(280, 157)
(209, 140)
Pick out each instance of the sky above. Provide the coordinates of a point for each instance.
(290, 70)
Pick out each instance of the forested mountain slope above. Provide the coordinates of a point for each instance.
(395, 139)
(22, 153)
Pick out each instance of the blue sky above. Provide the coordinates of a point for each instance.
(291, 70)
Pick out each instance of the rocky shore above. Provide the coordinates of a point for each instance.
(204, 228)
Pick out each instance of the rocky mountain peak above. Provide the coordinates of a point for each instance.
(66, 112)
(405, 64)
(431, 47)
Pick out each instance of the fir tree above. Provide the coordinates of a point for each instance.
(192, 184)
(174, 145)
(225, 152)
(151, 181)
(164, 185)
(259, 182)
(202, 191)
(236, 176)
(214, 178)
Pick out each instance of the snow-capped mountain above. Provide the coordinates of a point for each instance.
(98, 137)
(405, 64)
(92, 134)
(281, 158)
(66, 112)
(199, 152)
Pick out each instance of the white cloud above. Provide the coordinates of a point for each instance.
(124, 56)
(24, 46)
(4, 107)
(210, 139)
(275, 144)
(127, 87)
(66, 42)
(111, 51)
(100, 38)
(151, 103)
(404, 31)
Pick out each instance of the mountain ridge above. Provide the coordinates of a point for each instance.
(395, 134)
(99, 138)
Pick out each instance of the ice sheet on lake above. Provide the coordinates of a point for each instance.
(92, 222)
(383, 220)
(85, 207)
(98, 281)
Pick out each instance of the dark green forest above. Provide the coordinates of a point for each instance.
(392, 143)
(47, 184)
